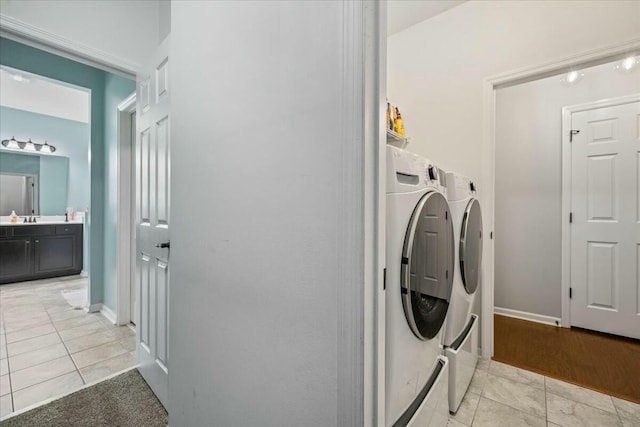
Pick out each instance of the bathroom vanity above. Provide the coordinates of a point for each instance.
(41, 250)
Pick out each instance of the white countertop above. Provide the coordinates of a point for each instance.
(20, 222)
(44, 220)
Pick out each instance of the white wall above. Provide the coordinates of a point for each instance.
(436, 68)
(164, 18)
(122, 31)
(42, 96)
(267, 274)
(528, 183)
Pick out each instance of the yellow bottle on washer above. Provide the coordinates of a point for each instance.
(399, 123)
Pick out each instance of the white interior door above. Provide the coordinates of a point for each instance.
(152, 221)
(605, 233)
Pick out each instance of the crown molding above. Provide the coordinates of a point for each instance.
(23, 32)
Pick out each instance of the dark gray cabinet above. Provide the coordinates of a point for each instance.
(15, 258)
(29, 252)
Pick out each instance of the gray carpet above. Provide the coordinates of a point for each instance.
(125, 400)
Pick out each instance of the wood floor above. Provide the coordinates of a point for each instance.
(601, 362)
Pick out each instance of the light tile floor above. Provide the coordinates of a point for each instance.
(501, 395)
(50, 346)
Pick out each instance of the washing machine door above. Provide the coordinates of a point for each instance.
(427, 266)
(471, 246)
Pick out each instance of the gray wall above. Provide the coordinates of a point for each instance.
(164, 19)
(267, 214)
(528, 184)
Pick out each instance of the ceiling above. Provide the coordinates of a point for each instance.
(402, 14)
(28, 92)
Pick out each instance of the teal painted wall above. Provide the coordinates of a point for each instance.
(71, 139)
(19, 163)
(26, 58)
(116, 90)
(54, 183)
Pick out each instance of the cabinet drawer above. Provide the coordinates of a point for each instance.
(68, 228)
(32, 230)
(5, 232)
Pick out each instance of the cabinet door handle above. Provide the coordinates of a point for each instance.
(27, 242)
(37, 241)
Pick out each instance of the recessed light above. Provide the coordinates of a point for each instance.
(572, 77)
(629, 63)
(19, 78)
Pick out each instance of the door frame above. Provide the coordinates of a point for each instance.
(374, 161)
(125, 228)
(567, 113)
(489, 87)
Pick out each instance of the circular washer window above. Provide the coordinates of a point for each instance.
(427, 266)
(471, 246)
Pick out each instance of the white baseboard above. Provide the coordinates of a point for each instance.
(539, 318)
(108, 313)
(94, 308)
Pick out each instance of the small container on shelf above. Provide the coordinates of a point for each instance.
(399, 125)
(397, 140)
(395, 127)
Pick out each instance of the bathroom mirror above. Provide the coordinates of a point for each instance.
(18, 193)
(37, 182)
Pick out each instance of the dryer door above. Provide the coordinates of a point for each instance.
(427, 266)
(471, 246)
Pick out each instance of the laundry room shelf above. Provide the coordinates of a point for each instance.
(397, 140)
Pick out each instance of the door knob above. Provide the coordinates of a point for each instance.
(163, 245)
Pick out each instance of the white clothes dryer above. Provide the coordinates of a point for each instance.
(419, 279)
(461, 331)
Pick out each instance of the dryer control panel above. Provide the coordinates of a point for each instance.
(459, 187)
(408, 172)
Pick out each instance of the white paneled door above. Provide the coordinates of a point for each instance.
(152, 221)
(605, 233)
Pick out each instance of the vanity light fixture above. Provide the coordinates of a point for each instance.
(28, 145)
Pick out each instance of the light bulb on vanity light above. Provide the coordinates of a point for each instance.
(11, 143)
(571, 78)
(29, 146)
(46, 148)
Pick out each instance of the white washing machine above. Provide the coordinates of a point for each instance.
(419, 279)
(461, 331)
